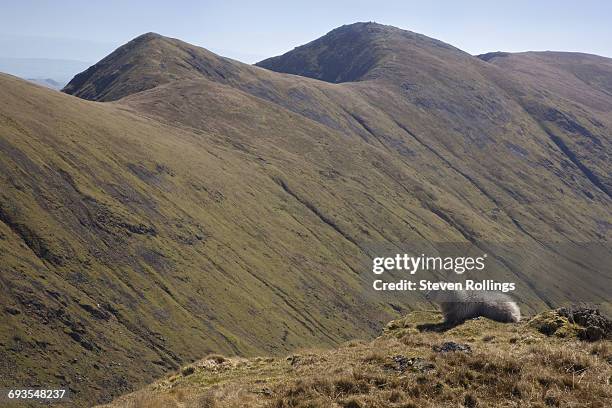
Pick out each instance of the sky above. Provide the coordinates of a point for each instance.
(250, 31)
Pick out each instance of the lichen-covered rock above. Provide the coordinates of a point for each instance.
(595, 326)
(583, 322)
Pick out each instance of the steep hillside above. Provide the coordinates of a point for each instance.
(129, 247)
(219, 207)
(569, 94)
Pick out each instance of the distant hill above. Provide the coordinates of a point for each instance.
(37, 69)
(214, 206)
(47, 82)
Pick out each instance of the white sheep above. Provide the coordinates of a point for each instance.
(458, 306)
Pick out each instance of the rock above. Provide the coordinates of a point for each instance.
(264, 391)
(294, 359)
(451, 346)
(415, 363)
(13, 311)
(95, 312)
(592, 333)
(595, 325)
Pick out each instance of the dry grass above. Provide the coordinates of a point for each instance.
(144, 400)
(510, 365)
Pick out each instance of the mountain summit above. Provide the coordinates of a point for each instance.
(355, 52)
(144, 63)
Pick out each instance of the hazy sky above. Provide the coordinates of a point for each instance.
(250, 31)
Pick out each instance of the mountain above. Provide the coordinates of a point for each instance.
(144, 63)
(213, 206)
(361, 51)
(47, 82)
(554, 88)
(570, 98)
(57, 70)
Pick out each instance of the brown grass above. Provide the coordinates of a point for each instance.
(521, 367)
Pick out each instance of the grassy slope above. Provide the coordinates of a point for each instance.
(117, 246)
(233, 209)
(463, 138)
(508, 365)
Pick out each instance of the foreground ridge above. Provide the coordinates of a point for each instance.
(480, 363)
